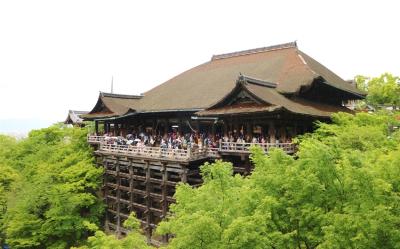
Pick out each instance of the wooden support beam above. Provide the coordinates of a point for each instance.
(118, 230)
(148, 201)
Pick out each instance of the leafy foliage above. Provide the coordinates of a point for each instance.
(342, 191)
(134, 240)
(382, 91)
(54, 202)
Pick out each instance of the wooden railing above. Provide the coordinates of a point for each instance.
(187, 154)
(245, 147)
(155, 152)
(95, 139)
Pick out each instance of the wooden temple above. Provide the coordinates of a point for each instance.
(263, 97)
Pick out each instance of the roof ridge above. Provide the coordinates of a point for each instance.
(255, 50)
(122, 96)
(255, 81)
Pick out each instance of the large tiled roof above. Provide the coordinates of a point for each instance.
(204, 85)
(283, 66)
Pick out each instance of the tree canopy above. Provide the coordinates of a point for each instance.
(382, 91)
(54, 203)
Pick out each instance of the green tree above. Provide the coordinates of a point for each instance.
(382, 91)
(54, 201)
(134, 239)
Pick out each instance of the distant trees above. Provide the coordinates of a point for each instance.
(341, 192)
(382, 91)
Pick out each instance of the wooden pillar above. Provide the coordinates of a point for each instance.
(225, 128)
(106, 129)
(131, 186)
(283, 134)
(213, 124)
(148, 201)
(236, 126)
(164, 201)
(271, 131)
(183, 174)
(96, 127)
(166, 128)
(106, 193)
(118, 230)
(249, 131)
(154, 126)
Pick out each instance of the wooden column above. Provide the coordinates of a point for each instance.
(271, 131)
(226, 129)
(166, 128)
(96, 127)
(148, 201)
(164, 193)
(213, 128)
(249, 131)
(131, 186)
(183, 174)
(118, 230)
(106, 193)
(106, 128)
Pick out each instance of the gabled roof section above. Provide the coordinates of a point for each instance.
(202, 86)
(268, 99)
(242, 87)
(111, 105)
(74, 117)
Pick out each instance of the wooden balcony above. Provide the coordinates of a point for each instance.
(157, 152)
(191, 154)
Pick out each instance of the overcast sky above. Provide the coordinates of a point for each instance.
(57, 55)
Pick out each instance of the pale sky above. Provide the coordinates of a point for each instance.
(57, 55)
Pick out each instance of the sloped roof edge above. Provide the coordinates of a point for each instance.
(254, 50)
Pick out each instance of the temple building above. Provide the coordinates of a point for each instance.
(148, 143)
(74, 118)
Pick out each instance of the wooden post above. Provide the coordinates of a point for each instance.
(166, 128)
(164, 194)
(271, 132)
(225, 127)
(106, 128)
(96, 127)
(118, 230)
(148, 202)
(249, 131)
(131, 186)
(106, 193)
(184, 174)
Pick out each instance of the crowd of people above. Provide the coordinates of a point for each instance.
(176, 140)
